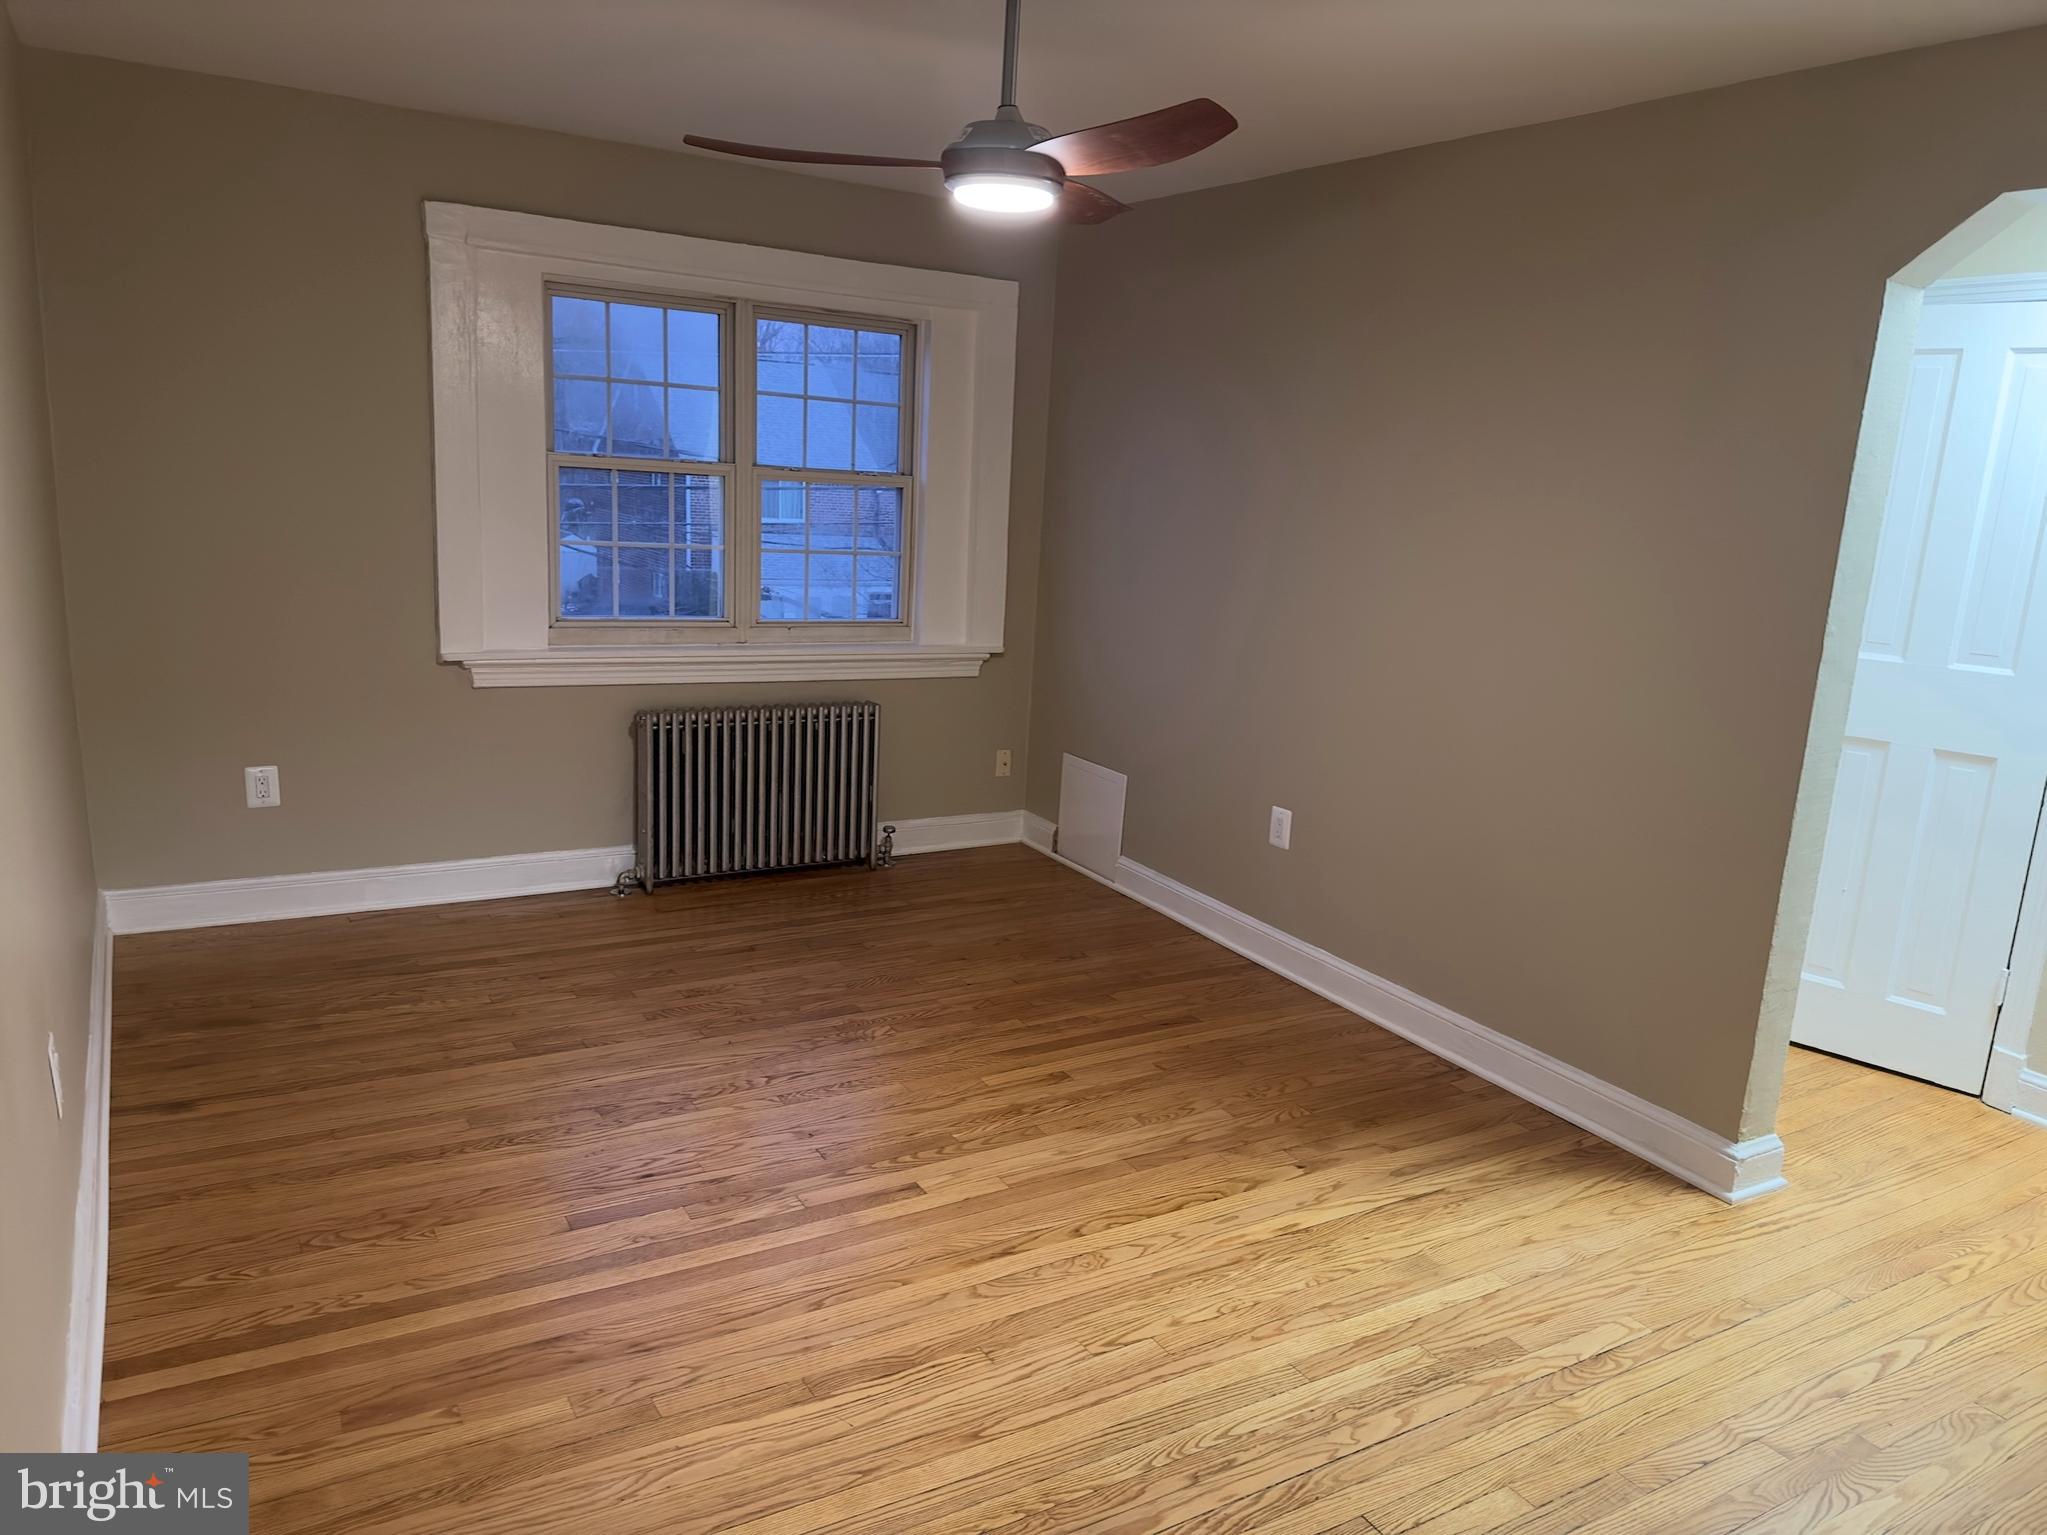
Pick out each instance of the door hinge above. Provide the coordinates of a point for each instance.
(2003, 985)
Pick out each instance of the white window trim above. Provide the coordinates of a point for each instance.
(494, 535)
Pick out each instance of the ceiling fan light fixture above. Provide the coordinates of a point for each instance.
(1002, 192)
(1008, 165)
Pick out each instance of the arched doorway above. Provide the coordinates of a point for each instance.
(1906, 936)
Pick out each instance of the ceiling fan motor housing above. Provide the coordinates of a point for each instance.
(967, 160)
(1001, 146)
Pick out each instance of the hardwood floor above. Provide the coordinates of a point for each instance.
(973, 1197)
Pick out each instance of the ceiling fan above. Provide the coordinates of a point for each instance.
(1003, 164)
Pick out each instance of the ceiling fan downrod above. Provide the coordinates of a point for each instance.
(1012, 29)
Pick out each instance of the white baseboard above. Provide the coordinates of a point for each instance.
(1038, 832)
(2001, 1080)
(2010, 1084)
(87, 1332)
(943, 833)
(2031, 1102)
(1734, 1171)
(276, 897)
(279, 897)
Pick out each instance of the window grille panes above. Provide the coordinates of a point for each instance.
(635, 380)
(830, 552)
(828, 396)
(811, 463)
(640, 544)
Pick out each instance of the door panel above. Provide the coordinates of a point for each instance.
(1946, 757)
(1901, 549)
(1996, 601)
(1947, 843)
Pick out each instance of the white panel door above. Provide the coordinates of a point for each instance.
(1946, 756)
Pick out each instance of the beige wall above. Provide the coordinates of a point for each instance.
(1480, 503)
(239, 376)
(47, 899)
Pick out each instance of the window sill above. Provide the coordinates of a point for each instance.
(606, 666)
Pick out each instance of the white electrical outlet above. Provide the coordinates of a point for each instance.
(262, 787)
(1281, 832)
(1002, 763)
(56, 1077)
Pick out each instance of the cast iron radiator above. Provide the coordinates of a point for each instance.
(746, 790)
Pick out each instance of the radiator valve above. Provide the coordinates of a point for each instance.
(885, 849)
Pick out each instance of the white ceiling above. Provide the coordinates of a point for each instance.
(1312, 81)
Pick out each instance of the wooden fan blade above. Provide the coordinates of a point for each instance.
(1080, 203)
(800, 156)
(1156, 138)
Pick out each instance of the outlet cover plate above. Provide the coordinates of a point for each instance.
(262, 788)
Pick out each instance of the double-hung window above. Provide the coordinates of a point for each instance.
(718, 490)
(663, 459)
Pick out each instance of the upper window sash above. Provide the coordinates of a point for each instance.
(833, 391)
(640, 375)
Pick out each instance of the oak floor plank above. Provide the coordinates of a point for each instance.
(971, 1197)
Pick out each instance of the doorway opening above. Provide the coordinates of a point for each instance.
(1912, 926)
